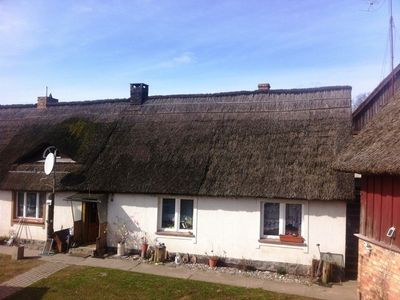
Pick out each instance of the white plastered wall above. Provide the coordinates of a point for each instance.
(62, 211)
(28, 231)
(231, 227)
(136, 213)
(62, 217)
(5, 212)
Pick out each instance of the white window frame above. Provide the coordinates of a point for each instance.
(25, 204)
(177, 214)
(282, 218)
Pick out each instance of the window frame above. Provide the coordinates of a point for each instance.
(177, 215)
(282, 218)
(36, 218)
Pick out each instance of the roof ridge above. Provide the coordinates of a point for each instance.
(183, 96)
(243, 92)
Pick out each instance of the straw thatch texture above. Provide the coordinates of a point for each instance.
(279, 144)
(375, 150)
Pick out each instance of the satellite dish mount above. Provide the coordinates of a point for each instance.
(50, 156)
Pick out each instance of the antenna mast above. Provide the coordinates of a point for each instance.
(391, 44)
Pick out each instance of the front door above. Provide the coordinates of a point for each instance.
(90, 220)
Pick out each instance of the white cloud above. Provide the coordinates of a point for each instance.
(183, 59)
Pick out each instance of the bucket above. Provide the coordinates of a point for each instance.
(121, 249)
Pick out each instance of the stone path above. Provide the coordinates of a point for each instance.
(345, 291)
(26, 279)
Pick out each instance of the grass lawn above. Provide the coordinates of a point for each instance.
(10, 268)
(78, 282)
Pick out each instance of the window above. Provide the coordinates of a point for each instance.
(176, 214)
(168, 213)
(30, 205)
(186, 215)
(281, 219)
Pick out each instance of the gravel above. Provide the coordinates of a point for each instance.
(265, 275)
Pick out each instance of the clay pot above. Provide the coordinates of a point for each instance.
(143, 249)
(212, 261)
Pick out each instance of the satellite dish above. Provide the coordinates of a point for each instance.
(49, 163)
(50, 149)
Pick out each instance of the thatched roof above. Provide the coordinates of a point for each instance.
(273, 144)
(375, 150)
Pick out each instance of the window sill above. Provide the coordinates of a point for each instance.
(29, 221)
(175, 233)
(279, 242)
(378, 243)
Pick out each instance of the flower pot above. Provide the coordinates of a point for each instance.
(143, 249)
(291, 239)
(212, 261)
(17, 252)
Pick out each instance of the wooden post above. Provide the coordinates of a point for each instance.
(326, 272)
(160, 253)
(314, 268)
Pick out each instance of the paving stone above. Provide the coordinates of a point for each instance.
(26, 279)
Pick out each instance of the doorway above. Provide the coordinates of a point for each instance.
(90, 218)
(352, 227)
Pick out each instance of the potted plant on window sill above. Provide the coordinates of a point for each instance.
(290, 238)
(212, 259)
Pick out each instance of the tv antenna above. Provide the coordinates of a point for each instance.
(391, 36)
(391, 24)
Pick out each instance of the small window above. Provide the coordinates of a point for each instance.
(168, 213)
(20, 204)
(176, 214)
(186, 215)
(281, 219)
(293, 219)
(30, 205)
(271, 218)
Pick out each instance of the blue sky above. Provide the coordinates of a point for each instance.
(93, 49)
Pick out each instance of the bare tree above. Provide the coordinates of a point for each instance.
(356, 102)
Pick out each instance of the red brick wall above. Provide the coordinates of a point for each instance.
(378, 273)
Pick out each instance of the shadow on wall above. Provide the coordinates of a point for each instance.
(125, 228)
(249, 205)
(318, 208)
(331, 209)
(22, 229)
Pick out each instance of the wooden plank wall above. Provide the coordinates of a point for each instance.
(380, 207)
(379, 100)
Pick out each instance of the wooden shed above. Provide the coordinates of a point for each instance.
(374, 153)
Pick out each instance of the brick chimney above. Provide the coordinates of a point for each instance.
(264, 86)
(139, 93)
(42, 102)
